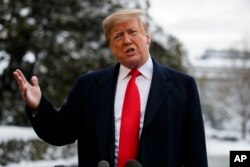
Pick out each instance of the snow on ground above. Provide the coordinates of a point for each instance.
(65, 162)
(221, 147)
(16, 132)
(218, 146)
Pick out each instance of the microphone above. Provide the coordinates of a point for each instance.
(103, 163)
(133, 163)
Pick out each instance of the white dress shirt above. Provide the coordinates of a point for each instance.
(143, 83)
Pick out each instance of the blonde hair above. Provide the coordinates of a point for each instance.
(123, 15)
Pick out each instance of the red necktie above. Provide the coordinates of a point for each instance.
(130, 122)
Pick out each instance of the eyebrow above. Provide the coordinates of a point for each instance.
(117, 34)
(128, 29)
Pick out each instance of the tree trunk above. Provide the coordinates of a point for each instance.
(243, 127)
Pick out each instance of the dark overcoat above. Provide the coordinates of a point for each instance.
(172, 134)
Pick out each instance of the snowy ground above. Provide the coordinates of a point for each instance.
(16, 132)
(215, 147)
(65, 162)
(220, 147)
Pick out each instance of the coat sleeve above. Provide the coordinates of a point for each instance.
(57, 126)
(195, 145)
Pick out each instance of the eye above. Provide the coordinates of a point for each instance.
(118, 36)
(132, 32)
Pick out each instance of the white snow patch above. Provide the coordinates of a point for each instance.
(29, 57)
(222, 147)
(17, 133)
(46, 163)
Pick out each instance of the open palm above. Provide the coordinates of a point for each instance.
(30, 92)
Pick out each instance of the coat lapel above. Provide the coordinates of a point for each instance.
(103, 96)
(160, 87)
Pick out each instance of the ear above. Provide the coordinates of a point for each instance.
(148, 39)
(111, 48)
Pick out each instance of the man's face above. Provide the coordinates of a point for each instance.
(129, 43)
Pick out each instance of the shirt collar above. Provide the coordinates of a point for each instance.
(146, 70)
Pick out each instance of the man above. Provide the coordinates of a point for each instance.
(166, 111)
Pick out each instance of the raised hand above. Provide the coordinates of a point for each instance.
(30, 92)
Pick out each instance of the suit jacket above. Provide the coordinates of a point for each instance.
(172, 134)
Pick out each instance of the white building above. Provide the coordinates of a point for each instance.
(223, 78)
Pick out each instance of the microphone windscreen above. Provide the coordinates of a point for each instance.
(133, 163)
(103, 163)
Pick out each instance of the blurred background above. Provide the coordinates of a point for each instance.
(59, 40)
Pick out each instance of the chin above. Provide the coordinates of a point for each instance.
(132, 62)
(133, 65)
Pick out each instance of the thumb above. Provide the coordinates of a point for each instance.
(34, 81)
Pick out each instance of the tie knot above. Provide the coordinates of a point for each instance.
(134, 73)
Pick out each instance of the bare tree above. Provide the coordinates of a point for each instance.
(238, 99)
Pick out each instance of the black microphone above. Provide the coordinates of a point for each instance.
(133, 163)
(103, 163)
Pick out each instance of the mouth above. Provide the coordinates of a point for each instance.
(130, 51)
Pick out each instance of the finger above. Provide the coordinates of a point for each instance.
(21, 75)
(34, 81)
(20, 82)
(15, 74)
(18, 79)
(24, 93)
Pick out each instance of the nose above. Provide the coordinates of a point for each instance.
(127, 40)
